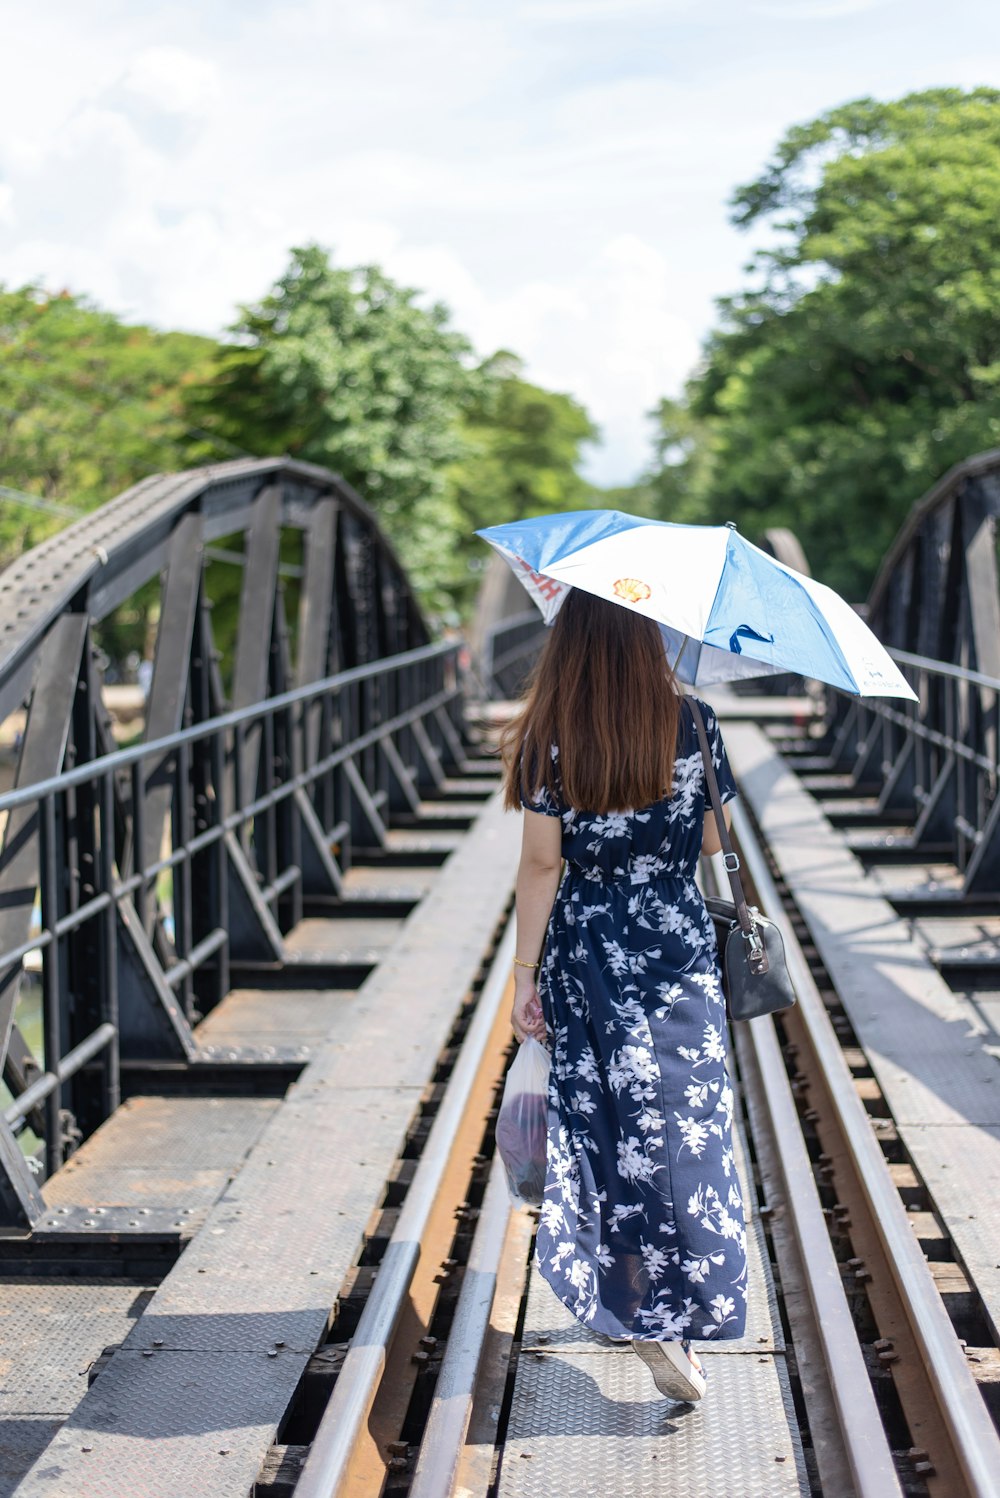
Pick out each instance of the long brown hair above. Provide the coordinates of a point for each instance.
(603, 691)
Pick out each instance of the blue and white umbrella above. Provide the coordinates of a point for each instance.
(726, 608)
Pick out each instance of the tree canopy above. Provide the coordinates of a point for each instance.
(344, 368)
(90, 405)
(863, 358)
(340, 367)
(522, 448)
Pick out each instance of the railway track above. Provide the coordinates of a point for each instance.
(421, 1384)
(893, 1365)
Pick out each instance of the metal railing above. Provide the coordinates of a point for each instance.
(509, 651)
(244, 839)
(934, 762)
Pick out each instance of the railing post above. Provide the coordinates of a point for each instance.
(49, 864)
(109, 984)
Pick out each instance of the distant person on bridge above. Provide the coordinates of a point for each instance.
(642, 1232)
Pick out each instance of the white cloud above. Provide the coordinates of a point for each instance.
(174, 80)
(555, 170)
(815, 10)
(574, 11)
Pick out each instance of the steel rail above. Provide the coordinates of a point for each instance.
(445, 1432)
(345, 1417)
(965, 1417)
(866, 1446)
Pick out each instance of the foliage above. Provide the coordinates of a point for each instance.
(864, 358)
(522, 455)
(343, 368)
(340, 367)
(90, 405)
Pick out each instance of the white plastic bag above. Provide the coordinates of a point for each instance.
(522, 1124)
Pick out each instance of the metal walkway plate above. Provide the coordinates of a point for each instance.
(50, 1334)
(348, 939)
(595, 1426)
(162, 1151)
(369, 882)
(264, 1016)
(965, 1185)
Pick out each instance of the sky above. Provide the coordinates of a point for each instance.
(556, 171)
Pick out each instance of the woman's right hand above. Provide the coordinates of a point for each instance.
(526, 1016)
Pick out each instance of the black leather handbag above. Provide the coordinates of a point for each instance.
(751, 952)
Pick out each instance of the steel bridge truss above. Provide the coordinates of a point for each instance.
(148, 880)
(936, 604)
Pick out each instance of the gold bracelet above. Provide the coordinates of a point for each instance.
(519, 963)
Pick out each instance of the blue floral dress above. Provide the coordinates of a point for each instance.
(642, 1232)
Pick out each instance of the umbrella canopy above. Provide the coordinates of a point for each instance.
(725, 607)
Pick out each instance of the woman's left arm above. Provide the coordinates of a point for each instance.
(537, 881)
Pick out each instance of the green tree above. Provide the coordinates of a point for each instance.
(343, 368)
(89, 405)
(863, 360)
(522, 455)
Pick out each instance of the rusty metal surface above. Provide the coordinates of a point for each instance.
(130, 1221)
(368, 882)
(342, 940)
(256, 1016)
(159, 1151)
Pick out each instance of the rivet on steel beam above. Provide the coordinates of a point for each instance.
(272, 1352)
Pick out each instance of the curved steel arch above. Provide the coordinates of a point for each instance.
(936, 604)
(937, 593)
(97, 563)
(251, 805)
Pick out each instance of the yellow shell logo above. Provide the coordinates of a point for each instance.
(632, 589)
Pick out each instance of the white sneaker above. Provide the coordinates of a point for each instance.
(674, 1371)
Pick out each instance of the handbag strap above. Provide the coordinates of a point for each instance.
(731, 858)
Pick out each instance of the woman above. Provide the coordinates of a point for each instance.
(641, 1233)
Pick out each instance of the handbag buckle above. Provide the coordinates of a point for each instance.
(757, 957)
(731, 868)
